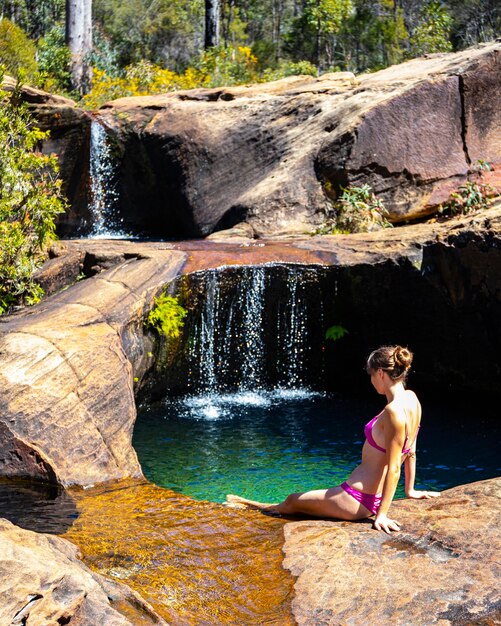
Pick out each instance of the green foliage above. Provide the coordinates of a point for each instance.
(54, 61)
(280, 35)
(30, 200)
(357, 210)
(289, 68)
(17, 52)
(470, 197)
(432, 34)
(228, 66)
(167, 316)
(335, 332)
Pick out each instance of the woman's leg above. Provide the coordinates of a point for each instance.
(333, 503)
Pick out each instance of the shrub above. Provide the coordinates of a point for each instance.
(141, 79)
(30, 200)
(356, 211)
(17, 52)
(54, 58)
(167, 316)
(290, 68)
(472, 195)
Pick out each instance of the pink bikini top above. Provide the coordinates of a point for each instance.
(370, 439)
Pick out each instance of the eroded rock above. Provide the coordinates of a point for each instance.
(43, 583)
(67, 406)
(442, 568)
(270, 155)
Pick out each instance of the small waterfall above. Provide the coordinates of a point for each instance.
(260, 328)
(252, 300)
(294, 328)
(103, 206)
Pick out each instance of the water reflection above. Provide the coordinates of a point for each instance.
(37, 506)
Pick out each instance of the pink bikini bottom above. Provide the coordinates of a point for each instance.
(371, 501)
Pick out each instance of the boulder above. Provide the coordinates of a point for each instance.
(441, 568)
(273, 155)
(43, 583)
(67, 406)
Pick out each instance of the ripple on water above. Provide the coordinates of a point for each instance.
(195, 562)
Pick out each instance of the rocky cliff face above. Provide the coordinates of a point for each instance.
(271, 155)
(68, 365)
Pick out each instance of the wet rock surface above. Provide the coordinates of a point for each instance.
(43, 582)
(197, 563)
(268, 156)
(441, 568)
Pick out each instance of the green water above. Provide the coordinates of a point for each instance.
(265, 445)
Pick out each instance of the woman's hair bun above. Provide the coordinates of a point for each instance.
(403, 357)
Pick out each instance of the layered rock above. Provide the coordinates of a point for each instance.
(67, 405)
(43, 583)
(442, 568)
(271, 155)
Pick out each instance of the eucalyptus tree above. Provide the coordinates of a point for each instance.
(212, 23)
(79, 40)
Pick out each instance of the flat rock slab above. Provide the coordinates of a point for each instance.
(442, 568)
(43, 583)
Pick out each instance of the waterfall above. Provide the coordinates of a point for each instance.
(257, 327)
(103, 206)
(294, 329)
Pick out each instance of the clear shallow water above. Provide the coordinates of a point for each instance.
(266, 444)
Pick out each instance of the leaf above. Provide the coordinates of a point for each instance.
(335, 332)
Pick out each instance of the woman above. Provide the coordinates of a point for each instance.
(390, 441)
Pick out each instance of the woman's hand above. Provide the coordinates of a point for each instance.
(422, 495)
(383, 522)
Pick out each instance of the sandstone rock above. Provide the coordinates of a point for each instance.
(69, 140)
(67, 404)
(43, 583)
(442, 568)
(270, 155)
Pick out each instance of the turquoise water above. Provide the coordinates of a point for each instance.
(264, 445)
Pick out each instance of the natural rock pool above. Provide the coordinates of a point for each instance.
(266, 444)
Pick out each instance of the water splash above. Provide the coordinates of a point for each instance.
(103, 206)
(261, 328)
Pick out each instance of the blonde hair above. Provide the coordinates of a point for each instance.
(394, 360)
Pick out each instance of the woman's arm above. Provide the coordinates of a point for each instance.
(410, 471)
(410, 477)
(394, 433)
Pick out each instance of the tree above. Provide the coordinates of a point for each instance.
(79, 40)
(432, 34)
(30, 199)
(326, 17)
(212, 17)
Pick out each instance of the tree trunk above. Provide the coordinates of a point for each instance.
(212, 10)
(79, 40)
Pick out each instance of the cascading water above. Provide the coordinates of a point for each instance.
(103, 206)
(255, 335)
